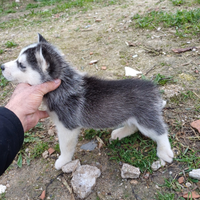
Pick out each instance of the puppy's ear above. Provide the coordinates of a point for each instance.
(41, 59)
(41, 38)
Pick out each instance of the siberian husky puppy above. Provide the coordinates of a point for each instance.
(89, 102)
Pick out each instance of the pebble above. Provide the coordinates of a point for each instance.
(84, 180)
(71, 166)
(188, 184)
(195, 173)
(45, 154)
(181, 180)
(129, 171)
(90, 146)
(157, 165)
(2, 189)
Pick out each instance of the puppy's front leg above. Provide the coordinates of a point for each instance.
(67, 141)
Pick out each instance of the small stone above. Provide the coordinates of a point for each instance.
(51, 150)
(196, 125)
(71, 166)
(157, 165)
(51, 132)
(195, 173)
(181, 180)
(2, 189)
(192, 194)
(131, 72)
(188, 184)
(103, 67)
(129, 171)
(133, 182)
(91, 53)
(93, 62)
(98, 20)
(90, 146)
(45, 154)
(84, 180)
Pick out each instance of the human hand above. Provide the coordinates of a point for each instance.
(26, 100)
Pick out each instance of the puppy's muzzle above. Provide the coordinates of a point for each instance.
(2, 67)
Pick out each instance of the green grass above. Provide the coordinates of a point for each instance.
(1, 51)
(38, 149)
(135, 150)
(60, 6)
(165, 196)
(159, 79)
(3, 81)
(185, 22)
(10, 44)
(177, 2)
(183, 97)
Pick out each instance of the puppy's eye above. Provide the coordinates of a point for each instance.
(21, 66)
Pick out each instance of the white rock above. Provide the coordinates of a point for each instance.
(93, 62)
(17, 1)
(45, 154)
(129, 171)
(71, 166)
(157, 164)
(131, 72)
(188, 184)
(195, 173)
(2, 189)
(84, 180)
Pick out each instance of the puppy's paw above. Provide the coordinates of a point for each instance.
(165, 153)
(117, 133)
(61, 161)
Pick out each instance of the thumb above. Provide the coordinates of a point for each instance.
(49, 86)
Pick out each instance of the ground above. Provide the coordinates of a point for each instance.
(101, 31)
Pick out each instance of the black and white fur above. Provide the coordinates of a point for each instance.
(89, 102)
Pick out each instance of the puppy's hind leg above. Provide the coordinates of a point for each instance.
(123, 131)
(160, 135)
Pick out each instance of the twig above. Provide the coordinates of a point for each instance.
(136, 196)
(150, 70)
(196, 94)
(51, 181)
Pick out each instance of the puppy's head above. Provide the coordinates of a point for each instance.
(34, 65)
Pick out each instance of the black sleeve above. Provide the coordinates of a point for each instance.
(11, 137)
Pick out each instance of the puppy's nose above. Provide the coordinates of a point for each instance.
(2, 67)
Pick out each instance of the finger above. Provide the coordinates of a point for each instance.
(49, 86)
(42, 114)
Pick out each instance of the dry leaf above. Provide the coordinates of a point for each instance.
(42, 196)
(196, 125)
(51, 150)
(192, 194)
(181, 50)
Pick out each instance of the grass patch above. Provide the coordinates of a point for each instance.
(184, 21)
(135, 150)
(10, 44)
(38, 149)
(3, 81)
(165, 196)
(1, 51)
(60, 6)
(177, 2)
(183, 97)
(161, 79)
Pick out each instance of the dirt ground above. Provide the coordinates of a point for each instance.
(77, 35)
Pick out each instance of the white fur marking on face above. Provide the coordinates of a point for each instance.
(25, 48)
(13, 73)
